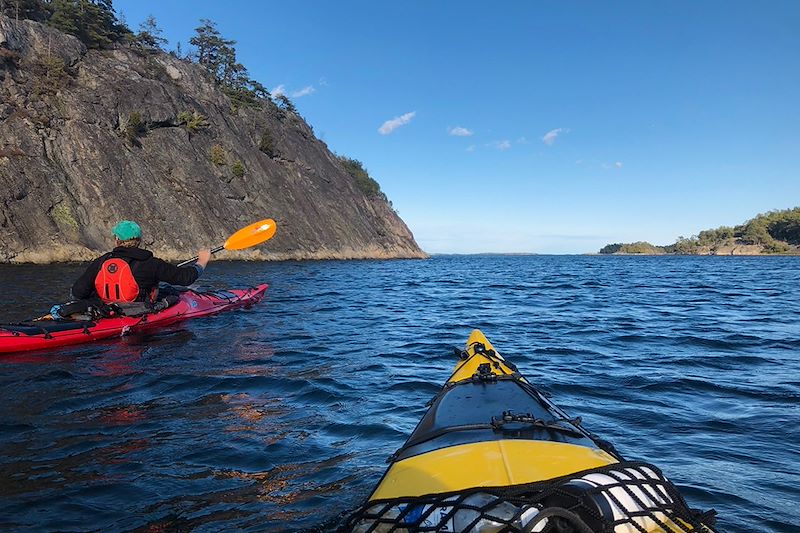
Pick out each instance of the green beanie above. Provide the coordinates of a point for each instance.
(127, 230)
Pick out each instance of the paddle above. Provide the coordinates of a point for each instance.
(246, 237)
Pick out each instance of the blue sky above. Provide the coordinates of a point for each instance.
(545, 127)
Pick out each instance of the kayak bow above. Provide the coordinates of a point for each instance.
(493, 454)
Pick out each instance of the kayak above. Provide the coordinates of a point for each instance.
(47, 334)
(494, 454)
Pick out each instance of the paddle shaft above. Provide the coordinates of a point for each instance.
(195, 258)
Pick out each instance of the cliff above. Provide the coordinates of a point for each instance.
(88, 137)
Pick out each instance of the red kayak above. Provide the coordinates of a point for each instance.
(55, 333)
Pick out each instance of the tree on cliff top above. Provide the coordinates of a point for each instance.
(92, 21)
(25, 9)
(218, 56)
(213, 51)
(149, 36)
(287, 105)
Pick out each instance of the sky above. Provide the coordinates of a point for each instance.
(536, 126)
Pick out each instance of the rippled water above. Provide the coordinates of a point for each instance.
(281, 417)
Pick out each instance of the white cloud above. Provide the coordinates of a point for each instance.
(618, 164)
(390, 125)
(279, 90)
(471, 148)
(551, 136)
(459, 131)
(505, 144)
(305, 91)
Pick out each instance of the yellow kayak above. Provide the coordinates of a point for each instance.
(493, 454)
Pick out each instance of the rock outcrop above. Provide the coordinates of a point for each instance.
(88, 137)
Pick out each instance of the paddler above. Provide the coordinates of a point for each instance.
(129, 273)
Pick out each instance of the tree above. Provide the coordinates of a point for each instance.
(212, 49)
(25, 9)
(218, 56)
(178, 52)
(258, 89)
(149, 36)
(286, 104)
(92, 21)
(611, 248)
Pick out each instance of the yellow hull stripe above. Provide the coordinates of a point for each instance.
(486, 464)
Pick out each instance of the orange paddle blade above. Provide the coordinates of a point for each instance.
(251, 235)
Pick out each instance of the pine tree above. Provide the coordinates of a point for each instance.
(178, 52)
(25, 9)
(218, 56)
(258, 89)
(286, 104)
(213, 51)
(149, 36)
(91, 21)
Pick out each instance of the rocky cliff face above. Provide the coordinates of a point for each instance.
(88, 137)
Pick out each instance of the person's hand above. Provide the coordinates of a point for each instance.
(203, 257)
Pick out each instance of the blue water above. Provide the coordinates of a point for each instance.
(280, 418)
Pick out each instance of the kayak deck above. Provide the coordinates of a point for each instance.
(493, 454)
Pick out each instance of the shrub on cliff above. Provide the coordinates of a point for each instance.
(51, 75)
(134, 127)
(218, 155)
(267, 145)
(238, 169)
(363, 180)
(192, 121)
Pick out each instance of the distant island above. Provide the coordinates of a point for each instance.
(772, 233)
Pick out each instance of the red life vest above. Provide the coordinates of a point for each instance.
(115, 282)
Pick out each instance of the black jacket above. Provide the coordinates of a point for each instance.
(147, 270)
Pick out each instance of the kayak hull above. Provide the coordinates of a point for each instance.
(47, 335)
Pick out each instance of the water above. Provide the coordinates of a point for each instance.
(280, 418)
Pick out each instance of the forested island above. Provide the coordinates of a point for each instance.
(774, 232)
